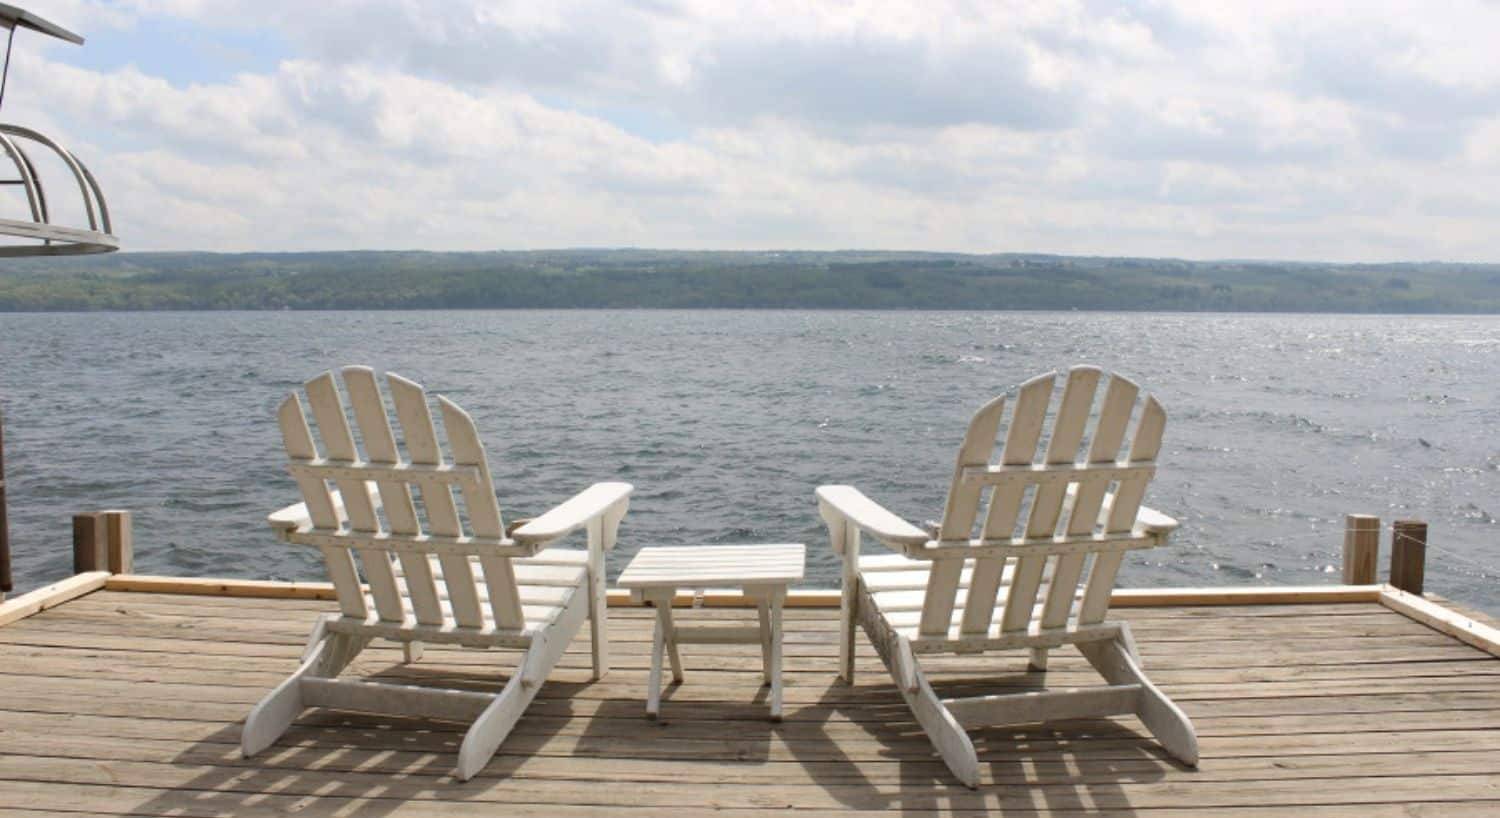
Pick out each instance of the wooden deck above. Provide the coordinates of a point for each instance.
(132, 703)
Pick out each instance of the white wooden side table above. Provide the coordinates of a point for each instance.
(763, 572)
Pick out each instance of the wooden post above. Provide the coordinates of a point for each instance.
(90, 541)
(121, 548)
(1408, 555)
(5, 577)
(1361, 548)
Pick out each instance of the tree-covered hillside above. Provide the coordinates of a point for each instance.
(681, 279)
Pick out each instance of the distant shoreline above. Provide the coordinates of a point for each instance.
(651, 279)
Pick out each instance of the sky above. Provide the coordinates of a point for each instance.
(1340, 131)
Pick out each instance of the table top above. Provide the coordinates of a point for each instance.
(706, 565)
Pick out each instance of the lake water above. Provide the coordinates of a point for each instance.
(726, 422)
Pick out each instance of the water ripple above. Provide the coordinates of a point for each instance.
(727, 421)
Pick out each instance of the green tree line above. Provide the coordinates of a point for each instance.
(746, 280)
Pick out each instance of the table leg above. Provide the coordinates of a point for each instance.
(659, 636)
(653, 686)
(776, 604)
(763, 609)
(665, 617)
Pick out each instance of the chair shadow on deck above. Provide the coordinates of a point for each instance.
(858, 745)
(367, 765)
(1077, 765)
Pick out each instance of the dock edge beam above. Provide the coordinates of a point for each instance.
(1456, 624)
(50, 596)
(796, 598)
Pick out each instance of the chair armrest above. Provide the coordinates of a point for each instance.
(284, 521)
(1147, 520)
(871, 517)
(1154, 522)
(577, 511)
(294, 517)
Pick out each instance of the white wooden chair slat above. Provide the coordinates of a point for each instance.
(319, 504)
(913, 580)
(1021, 438)
(1104, 451)
(395, 496)
(1067, 434)
(1100, 583)
(908, 620)
(482, 591)
(442, 512)
(484, 511)
(989, 574)
(909, 603)
(1124, 509)
(551, 567)
(540, 607)
(555, 594)
(338, 443)
(963, 498)
(462, 592)
(886, 561)
(1144, 448)
(960, 512)
(534, 581)
(298, 439)
(1047, 503)
(1114, 416)
(1058, 600)
(479, 496)
(418, 584)
(1026, 423)
(942, 586)
(1088, 498)
(1009, 590)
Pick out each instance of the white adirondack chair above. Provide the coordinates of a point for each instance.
(1037, 581)
(474, 585)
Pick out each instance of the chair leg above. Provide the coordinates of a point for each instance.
(275, 713)
(1038, 660)
(1165, 720)
(848, 617)
(1127, 639)
(598, 612)
(948, 737)
(492, 726)
(943, 730)
(499, 718)
(411, 652)
(269, 719)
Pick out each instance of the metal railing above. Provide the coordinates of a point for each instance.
(5, 578)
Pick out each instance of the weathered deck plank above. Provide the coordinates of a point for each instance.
(132, 702)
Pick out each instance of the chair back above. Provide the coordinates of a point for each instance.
(385, 510)
(1052, 517)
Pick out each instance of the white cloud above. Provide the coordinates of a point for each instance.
(1341, 130)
